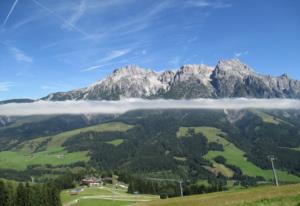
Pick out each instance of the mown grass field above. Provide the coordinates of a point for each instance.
(54, 153)
(233, 155)
(104, 203)
(288, 195)
(103, 196)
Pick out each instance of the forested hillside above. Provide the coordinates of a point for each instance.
(201, 147)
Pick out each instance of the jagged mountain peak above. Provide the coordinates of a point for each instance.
(196, 71)
(234, 66)
(131, 70)
(196, 68)
(284, 76)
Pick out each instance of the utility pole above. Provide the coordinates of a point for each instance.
(272, 158)
(181, 190)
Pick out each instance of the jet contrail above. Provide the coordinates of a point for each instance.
(61, 18)
(9, 13)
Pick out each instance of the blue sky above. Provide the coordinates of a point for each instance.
(55, 45)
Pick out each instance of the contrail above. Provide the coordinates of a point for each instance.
(9, 13)
(61, 18)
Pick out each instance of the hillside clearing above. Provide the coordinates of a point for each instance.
(51, 150)
(54, 156)
(234, 155)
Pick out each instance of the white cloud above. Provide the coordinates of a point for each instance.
(20, 55)
(4, 86)
(109, 107)
(239, 54)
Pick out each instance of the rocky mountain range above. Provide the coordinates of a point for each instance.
(230, 78)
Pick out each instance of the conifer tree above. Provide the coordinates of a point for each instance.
(4, 196)
(20, 196)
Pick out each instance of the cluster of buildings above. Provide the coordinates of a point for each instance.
(91, 182)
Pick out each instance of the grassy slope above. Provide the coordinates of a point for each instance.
(269, 118)
(288, 195)
(115, 142)
(59, 139)
(54, 153)
(27, 119)
(54, 156)
(233, 155)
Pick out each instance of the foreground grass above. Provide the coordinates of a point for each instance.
(233, 155)
(288, 195)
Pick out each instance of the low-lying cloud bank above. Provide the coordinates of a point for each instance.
(112, 107)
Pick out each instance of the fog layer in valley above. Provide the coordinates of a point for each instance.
(121, 106)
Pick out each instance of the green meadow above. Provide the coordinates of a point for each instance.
(233, 155)
(52, 151)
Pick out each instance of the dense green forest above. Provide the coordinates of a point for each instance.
(29, 195)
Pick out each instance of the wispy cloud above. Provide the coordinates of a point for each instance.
(25, 21)
(80, 10)
(175, 61)
(46, 87)
(239, 54)
(217, 4)
(111, 56)
(57, 86)
(4, 86)
(20, 55)
(10, 12)
(65, 21)
(104, 107)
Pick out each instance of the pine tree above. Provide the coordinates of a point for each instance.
(20, 196)
(53, 195)
(28, 195)
(11, 194)
(4, 196)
